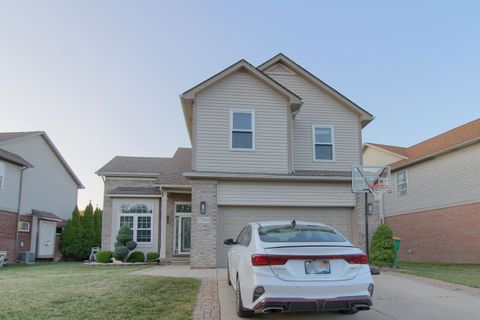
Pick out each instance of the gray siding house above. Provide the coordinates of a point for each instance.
(38, 191)
(268, 142)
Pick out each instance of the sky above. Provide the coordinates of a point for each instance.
(102, 78)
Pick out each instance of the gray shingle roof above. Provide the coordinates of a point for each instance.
(46, 215)
(14, 158)
(135, 191)
(169, 171)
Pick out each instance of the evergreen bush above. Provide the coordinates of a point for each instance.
(104, 256)
(124, 243)
(382, 251)
(136, 256)
(152, 256)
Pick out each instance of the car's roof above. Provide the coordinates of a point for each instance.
(285, 222)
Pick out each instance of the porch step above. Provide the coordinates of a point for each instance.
(180, 262)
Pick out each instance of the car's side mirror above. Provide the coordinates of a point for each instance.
(229, 242)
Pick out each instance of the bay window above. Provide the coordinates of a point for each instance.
(138, 216)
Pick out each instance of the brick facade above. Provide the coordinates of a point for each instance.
(358, 220)
(8, 227)
(449, 234)
(204, 235)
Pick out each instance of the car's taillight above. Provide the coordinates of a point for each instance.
(266, 260)
(357, 258)
(278, 260)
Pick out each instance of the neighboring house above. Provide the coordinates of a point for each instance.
(434, 206)
(38, 191)
(268, 143)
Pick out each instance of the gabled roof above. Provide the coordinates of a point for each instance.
(8, 137)
(399, 151)
(366, 117)
(167, 171)
(138, 166)
(456, 138)
(188, 96)
(14, 158)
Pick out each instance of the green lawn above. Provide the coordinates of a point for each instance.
(73, 291)
(466, 274)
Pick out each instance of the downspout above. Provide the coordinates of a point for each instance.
(18, 209)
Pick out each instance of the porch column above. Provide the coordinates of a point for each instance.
(163, 225)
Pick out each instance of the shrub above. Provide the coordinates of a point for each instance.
(121, 253)
(382, 252)
(136, 256)
(124, 243)
(152, 256)
(131, 245)
(104, 256)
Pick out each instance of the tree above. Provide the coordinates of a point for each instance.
(72, 242)
(124, 243)
(88, 225)
(97, 221)
(382, 252)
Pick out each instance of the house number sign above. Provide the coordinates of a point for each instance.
(203, 220)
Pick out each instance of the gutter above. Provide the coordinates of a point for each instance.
(229, 176)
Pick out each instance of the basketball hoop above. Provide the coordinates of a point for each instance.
(378, 189)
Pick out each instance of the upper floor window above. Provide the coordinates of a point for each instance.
(2, 174)
(242, 130)
(402, 183)
(323, 148)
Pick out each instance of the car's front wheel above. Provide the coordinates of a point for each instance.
(241, 311)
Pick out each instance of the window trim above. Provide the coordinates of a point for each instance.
(406, 182)
(252, 112)
(135, 221)
(323, 126)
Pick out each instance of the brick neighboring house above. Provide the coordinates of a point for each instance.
(271, 142)
(435, 204)
(38, 191)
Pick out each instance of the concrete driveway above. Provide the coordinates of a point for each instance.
(396, 297)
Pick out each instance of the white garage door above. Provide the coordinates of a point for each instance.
(232, 219)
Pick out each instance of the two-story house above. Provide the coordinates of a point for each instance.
(434, 206)
(38, 191)
(271, 142)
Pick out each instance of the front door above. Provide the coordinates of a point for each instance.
(183, 226)
(46, 239)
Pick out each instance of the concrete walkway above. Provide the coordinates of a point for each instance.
(396, 297)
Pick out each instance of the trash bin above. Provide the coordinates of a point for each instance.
(396, 246)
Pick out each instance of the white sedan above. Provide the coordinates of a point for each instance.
(289, 266)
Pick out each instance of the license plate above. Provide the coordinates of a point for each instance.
(317, 267)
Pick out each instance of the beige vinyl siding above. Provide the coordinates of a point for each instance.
(240, 90)
(304, 194)
(373, 156)
(450, 179)
(231, 220)
(47, 186)
(322, 109)
(11, 187)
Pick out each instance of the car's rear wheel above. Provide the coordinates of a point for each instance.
(241, 311)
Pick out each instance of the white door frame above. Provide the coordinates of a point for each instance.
(53, 244)
(177, 236)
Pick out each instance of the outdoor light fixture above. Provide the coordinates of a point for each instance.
(203, 207)
(370, 209)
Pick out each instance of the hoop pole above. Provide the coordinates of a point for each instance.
(366, 223)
